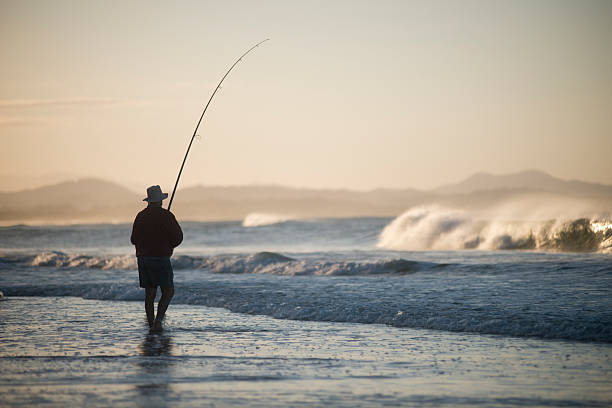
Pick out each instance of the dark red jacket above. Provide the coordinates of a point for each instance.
(155, 232)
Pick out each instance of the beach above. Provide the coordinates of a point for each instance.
(75, 352)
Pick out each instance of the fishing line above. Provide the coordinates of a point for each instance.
(202, 116)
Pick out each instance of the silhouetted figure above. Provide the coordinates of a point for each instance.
(156, 233)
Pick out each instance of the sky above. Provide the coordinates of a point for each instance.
(346, 94)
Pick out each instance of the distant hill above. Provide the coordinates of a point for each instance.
(95, 200)
(534, 180)
(87, 200)
(19, 182)
(82, 193)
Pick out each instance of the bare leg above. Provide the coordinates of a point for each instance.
(162, 306)
(149, 304)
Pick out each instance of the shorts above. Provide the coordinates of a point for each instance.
(154, 271)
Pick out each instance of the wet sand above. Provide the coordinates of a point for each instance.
(66, 351)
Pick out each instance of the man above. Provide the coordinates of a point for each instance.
(156, 233)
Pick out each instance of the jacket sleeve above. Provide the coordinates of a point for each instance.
(134, 236)
(175, 232)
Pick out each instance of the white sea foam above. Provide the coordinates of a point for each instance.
(258, 263)
(439, 228)
(261, 219)
(61, 259)
(272, 263)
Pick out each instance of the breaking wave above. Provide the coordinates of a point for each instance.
(272, 263)
(258, 263)
(63, 260)
(261, 219)
(436, 228)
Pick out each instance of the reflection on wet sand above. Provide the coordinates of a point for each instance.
(156, 363)
(156, 344)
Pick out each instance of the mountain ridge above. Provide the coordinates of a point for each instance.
(98, 200)
(526, 179)
(481, 180)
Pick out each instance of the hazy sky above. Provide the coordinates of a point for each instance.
(347, 94)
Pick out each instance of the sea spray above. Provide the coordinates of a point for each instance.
(438, 228)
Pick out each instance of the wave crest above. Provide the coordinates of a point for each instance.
(61, 259)
(272, 263)
(261, 219)
(258, 263)
(437, 228)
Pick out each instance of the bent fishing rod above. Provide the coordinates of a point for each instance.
(202, 116)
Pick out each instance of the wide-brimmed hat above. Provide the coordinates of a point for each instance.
(154, 194)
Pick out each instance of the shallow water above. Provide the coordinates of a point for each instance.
(71, 351)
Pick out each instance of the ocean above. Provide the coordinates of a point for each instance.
(426, 309)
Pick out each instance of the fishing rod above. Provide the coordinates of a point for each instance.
(202, 116)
